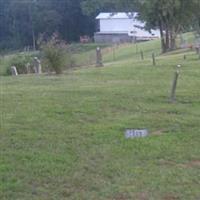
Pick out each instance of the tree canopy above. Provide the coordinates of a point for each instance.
(22, 21)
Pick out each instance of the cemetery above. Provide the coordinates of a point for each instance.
(117, 130)
(108, 114)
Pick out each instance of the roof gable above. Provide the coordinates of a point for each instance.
(117, 15)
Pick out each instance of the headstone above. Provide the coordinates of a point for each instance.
(14, 71)
(136, 133)
(98, 57)
(37, 65)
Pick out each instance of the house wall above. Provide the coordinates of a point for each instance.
(116, 25)
(112, 38)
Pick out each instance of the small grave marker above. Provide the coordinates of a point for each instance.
(136, 133)
(14, 71)
(98, 57)
(37, 65)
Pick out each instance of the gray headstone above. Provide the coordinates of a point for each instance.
(37, 66)
(98, 57)
(14, 71)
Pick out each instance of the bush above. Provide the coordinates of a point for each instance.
(19, 61)
(55, 54)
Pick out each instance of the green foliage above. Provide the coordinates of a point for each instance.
(19, 61)
(55, 54)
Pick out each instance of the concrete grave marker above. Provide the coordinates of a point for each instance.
(136, 133)
(37, 66)
(14, 71)
(98, 57)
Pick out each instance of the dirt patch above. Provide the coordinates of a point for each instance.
(171, 197)
(142, 196)
(158, 132)
(193, 163)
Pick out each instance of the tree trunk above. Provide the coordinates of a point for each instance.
(167, 38)
(172, 39)
(163, 44)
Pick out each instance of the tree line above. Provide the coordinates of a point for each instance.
(22, 21)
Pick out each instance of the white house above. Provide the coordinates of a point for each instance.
(122, 27)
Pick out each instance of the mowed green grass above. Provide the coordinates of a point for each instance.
(62, 137)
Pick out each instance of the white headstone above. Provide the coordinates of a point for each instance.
(14, 71)
(37, 66)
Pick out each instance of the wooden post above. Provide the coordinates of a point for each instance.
(142, 55)
(174, 85)
(113, 53)
(136, 45)
(153, 59)
(98, 57)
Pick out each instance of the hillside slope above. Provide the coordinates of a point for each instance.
(62, 137)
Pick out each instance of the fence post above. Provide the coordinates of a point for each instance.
(153, 59)
(174, 85)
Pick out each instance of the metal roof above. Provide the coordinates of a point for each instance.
(117, 15)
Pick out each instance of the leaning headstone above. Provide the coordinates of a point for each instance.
(98, 57)
(14, 71)
(37, 66)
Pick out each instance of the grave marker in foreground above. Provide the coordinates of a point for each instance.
(136, 133)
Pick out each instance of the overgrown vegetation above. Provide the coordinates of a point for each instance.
(55, 54)
(20, 61)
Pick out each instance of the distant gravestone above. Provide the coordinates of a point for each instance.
(98, 57)
(14, 71)
(136, 133)
(37, 66)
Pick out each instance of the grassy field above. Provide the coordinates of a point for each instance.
(61, 137)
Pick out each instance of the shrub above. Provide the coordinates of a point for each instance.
(19, 61)
(55, 54)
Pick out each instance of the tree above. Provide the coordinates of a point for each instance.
(169, 16)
